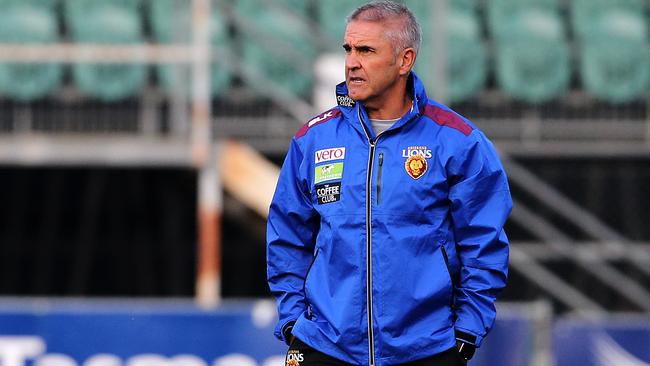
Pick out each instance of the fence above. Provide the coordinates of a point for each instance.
(118, 332)
(163, 333)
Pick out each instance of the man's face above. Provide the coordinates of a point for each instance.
(371, 66)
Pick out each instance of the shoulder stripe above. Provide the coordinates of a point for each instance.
(322, 118)
(447, 118)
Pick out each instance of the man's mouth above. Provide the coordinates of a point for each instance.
(356, 80)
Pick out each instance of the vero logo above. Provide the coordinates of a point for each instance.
(336, 153)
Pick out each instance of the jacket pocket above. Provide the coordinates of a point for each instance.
(445, 257)
(380, 169)
(311, 265)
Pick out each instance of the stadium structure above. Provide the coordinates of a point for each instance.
(140, 139)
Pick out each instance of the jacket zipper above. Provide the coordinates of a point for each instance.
(371, 158)
(379, 170)
(371, 336)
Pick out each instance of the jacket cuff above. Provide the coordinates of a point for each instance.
(467, 337)
(286, 331)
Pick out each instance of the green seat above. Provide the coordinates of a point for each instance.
(171, 24)
(533, 72)
(532, 60)
(279, 48)
(27, 24)
(613, 48)
(48, 5)
(106, 22)
(332, 13)
(466, 59)
(423, 9)
(331, 16)
(615, 72)
(254, 7)
(466, 5)
(501, 14)
(586, 15)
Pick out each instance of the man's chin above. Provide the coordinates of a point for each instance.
(357, 97)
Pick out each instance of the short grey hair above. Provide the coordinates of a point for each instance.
(410, 35)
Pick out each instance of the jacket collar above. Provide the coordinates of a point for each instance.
(354, 112)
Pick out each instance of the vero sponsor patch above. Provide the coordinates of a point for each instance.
(336, 153)
(325, 172)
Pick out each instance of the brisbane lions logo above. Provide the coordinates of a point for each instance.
(416, 166)
(416, 160)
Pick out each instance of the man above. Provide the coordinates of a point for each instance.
(385, 234)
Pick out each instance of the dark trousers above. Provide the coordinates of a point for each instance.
(300, 354)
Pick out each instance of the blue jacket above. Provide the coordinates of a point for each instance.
(385, 249)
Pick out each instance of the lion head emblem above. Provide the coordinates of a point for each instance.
(416, 166)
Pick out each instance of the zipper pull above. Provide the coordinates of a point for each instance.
(381, 159)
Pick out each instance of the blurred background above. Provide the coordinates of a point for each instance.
(140, 142)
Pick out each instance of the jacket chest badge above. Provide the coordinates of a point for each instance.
(416, 160)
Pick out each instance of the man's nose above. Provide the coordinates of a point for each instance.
(352, 61)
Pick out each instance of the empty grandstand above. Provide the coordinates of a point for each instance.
(122, 121)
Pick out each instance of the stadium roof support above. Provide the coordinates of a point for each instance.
(563, 245)
(530, 268)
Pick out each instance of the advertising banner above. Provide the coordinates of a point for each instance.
(615, 341)
(164, 333)
(139, 334)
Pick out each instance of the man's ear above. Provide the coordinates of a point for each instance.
(407, 60)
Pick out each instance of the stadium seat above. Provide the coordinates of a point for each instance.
(423, 9)
(331, 16)
(26, 24)
(613, 48)
(502, 13)
(534, 72)
(279, 47)
(43, 4)
(254, 7)
(107, 21)
(532, 60)
(332, 13)
(467, 5)
(171, 23)
(586, 15)
(466, 56)
(615, 72)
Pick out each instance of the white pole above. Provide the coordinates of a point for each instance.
(208, 281)
(439, 49)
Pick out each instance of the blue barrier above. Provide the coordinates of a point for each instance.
(615, 341)
(139, 334)
(163, 333)
(119, 333)
(510, 343)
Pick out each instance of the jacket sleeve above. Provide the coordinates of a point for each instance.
(291, 231)
(480, 204)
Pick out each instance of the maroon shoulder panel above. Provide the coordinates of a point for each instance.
(322, 118)
(447, 118)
